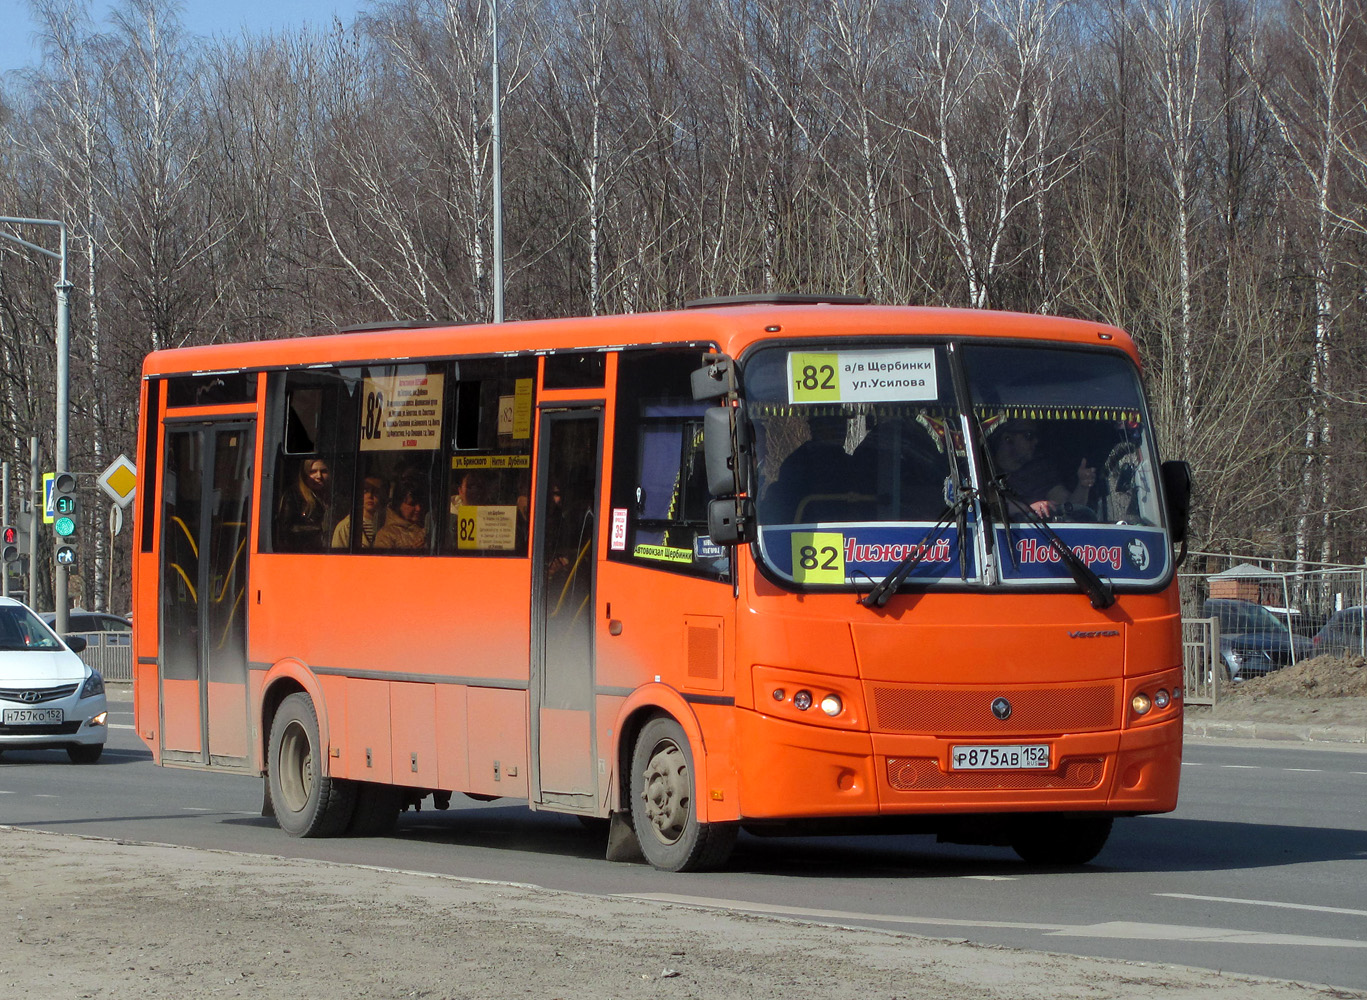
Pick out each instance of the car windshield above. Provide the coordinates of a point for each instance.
(861, 463)
(1248, 618)
(21, 630)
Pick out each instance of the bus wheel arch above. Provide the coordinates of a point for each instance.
(285, 678)
(665, 801)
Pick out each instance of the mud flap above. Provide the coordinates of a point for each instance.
(622, 842)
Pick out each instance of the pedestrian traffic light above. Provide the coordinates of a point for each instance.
(66, 555)
(66, 506)
(9, 544)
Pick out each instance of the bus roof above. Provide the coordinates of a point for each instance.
(732, 327)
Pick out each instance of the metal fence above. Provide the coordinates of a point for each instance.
(1244, 617)
(111, 653)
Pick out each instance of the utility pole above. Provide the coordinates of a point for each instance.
(496, 138)
(63, 391)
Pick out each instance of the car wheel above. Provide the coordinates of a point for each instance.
(85, 753)
(307, 802)
(663, 804)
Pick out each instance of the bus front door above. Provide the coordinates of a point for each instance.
(565, 554)
(206, 497)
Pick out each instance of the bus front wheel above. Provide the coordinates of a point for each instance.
(307, 802)
(1062, 841)
(664, 803)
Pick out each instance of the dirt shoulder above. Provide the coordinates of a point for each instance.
(1327, 691)
(96, 918)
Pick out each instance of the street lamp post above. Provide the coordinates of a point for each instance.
(63, 382)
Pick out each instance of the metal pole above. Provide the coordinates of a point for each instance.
(36, 506)
(497, 140)
(63, 346)
(4, 516)
(63, 422)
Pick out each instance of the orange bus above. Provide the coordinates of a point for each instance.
(780, 563)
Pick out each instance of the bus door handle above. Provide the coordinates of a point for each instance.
(614, 626)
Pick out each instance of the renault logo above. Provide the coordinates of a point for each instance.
(31, 696)
(1001, 708)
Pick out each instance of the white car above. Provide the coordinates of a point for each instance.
(48, 697)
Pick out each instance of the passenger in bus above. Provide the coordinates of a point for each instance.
(1036, 480)
(372, 514)
(405, 525)
(814, 477)
(303, 522)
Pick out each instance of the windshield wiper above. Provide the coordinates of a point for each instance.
(886, 587)
(1098, 591)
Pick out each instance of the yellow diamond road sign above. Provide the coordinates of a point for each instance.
(120, 481)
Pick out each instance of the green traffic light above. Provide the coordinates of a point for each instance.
(64, 526)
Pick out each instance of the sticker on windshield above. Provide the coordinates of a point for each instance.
(894, 375)
(818, 556)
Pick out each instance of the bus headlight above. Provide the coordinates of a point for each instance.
(1141, 703)
(1161, 698)
(802, 700)
(832, 705)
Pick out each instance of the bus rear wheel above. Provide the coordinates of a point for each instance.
(664, 803)
(307, 802)
(1060, 841)
(377, 809)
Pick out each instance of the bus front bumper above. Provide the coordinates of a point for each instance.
(794, 771)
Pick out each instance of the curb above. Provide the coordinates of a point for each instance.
(1280, 732)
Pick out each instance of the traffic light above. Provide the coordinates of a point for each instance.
(9, 544)
(66, 506)
(66, 517)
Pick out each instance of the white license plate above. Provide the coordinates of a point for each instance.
(1003, 758)
(33, 716)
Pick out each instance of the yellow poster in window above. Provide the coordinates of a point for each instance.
(818, 556)
(522, 408)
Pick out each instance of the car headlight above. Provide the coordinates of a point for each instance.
(94, 684)
(1233, 659)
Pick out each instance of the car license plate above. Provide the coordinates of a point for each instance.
(33, 716)
(1004, 758)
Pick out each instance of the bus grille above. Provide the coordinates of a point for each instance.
(923, 774)
(1034, 711)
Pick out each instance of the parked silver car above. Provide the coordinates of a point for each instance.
(49, 698)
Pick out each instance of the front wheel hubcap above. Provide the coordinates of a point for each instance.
(667, 793)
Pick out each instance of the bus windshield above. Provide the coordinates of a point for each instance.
(868, 454)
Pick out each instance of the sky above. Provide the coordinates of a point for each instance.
(18, 48)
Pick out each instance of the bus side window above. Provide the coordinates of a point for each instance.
(488, 448)
(314, 469)
(659, 479)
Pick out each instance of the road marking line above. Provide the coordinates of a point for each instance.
(1241, 767)
(111, 725)
(993, 878)
(1109, 929)
(1133, 931)
(195, 809)
(1303, 770)
(1264, 902)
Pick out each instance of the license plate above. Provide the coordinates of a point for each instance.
(33, 716)
(1003, 758)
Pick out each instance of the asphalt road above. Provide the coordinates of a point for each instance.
(1259, 871)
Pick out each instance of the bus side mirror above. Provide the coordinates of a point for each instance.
(724, 450)
(715, 379)
(729, 520)
(1177, 489)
